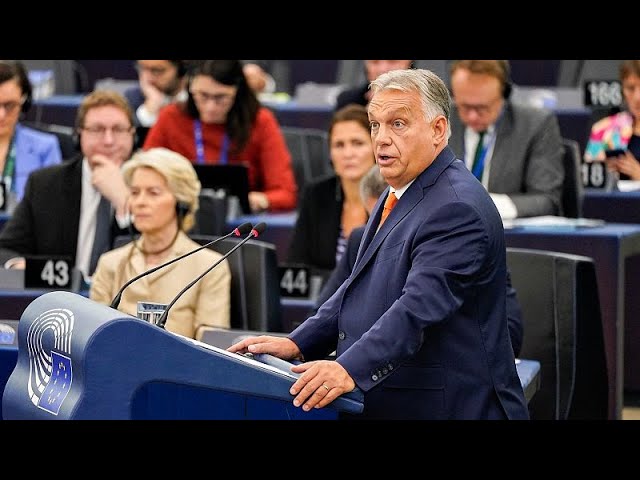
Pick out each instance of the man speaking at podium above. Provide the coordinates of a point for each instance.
(420, 325)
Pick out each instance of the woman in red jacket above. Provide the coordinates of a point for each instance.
(223, 122)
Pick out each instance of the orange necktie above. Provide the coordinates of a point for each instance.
(388, 206)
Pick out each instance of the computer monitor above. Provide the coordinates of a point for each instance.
(233, 179)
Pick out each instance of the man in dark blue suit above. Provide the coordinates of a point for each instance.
(420, 325)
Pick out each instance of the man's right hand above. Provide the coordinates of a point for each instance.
(153, 97)
(280, 347)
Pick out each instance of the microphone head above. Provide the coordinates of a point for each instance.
(258, 229)
(243, 229)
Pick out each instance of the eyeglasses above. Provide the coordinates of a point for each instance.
(221, 99)
(153, 71)
(9, 107)
(118, 131)
(480, 109)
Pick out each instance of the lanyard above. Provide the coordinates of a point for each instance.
(197, 134)
(10, 166)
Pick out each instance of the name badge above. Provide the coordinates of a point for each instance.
(44, 272)
(294, 281)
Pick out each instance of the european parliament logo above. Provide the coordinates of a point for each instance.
(50, 369)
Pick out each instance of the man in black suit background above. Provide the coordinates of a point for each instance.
(77, 208)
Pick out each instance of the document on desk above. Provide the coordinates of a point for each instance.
(546, 221)
(628, 185)
(245, 359)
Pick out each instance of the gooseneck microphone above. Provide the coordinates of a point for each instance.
(238, 232)
(257, 230)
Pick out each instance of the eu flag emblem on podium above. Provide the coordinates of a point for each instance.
(59, 384)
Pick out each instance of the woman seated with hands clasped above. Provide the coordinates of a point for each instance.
(616, 138)
(331, 206)
(164, 198)
(222, 122)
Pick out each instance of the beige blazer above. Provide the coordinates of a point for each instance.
(205, 303)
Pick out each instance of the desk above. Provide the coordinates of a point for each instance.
(575, 123)
(61, 110)
(622, 207)
(615, 249)
(615, 206)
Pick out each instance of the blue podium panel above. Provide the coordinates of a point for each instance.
(81, 360)
(614, 249)
(156, 401)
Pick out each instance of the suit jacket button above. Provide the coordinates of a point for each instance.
(390, 367)
(385, 371)
(341, 335)
(374, 377)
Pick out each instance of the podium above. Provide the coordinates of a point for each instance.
(81, 360)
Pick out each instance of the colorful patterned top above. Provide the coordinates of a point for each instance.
(610, 133)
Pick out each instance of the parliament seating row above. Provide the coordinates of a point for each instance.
(563, 328)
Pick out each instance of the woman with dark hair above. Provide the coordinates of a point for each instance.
(22, 149)
(620, 131)
(331, 206)
(223, 122)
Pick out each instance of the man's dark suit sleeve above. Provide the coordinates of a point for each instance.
(18, 236)
(514, 317)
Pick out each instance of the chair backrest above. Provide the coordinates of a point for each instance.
(211, 217)
(573, 73)
(255, 283)
(558, 293)
(309, 150)
(64, 73)
(255, 287)
(572, 188)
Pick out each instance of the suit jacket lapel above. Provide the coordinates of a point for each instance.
(408, 202)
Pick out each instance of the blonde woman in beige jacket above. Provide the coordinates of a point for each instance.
(164, 198)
